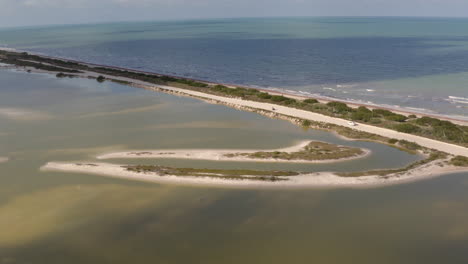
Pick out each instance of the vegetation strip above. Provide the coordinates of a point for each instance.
(313, 151)
(272, 176)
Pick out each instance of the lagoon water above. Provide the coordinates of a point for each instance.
(56, 217)
(418, 63)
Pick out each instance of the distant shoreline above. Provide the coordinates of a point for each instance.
(273, 90)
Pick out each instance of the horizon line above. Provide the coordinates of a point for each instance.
(217, 18)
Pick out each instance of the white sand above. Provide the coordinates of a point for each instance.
(321, 179)
(220, 154)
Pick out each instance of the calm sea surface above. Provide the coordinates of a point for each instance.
(418, 63)
(55, 217)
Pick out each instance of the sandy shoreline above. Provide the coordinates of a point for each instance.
(220, 154)
(310, 180)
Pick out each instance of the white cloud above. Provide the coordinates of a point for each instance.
(36, 12)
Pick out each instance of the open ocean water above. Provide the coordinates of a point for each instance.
(417, 63)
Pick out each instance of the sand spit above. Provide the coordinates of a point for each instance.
(283, 112)
(310, 180)
(221, 154)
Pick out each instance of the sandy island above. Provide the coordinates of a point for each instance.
(308, 180)
(223, 155)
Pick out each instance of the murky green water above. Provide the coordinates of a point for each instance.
(50, 217)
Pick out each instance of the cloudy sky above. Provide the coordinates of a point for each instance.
(39, 12)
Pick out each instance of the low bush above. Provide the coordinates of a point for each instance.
(310, 101)
(407, 128)
(264, 96)
(460, 161)
(100, 78)
(339, 107)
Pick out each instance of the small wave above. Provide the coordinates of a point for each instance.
(7, 49)
(423, 110)
(345, 85)
(370, 90)
(328, 88)
(459, 102)
(457, 99)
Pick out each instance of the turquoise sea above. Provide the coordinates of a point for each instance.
(417, 63)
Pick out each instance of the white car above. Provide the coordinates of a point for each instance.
(351, 123)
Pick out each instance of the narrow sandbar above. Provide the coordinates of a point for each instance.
(308, 180)
(239, 155)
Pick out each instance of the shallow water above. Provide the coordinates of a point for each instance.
(55, 217)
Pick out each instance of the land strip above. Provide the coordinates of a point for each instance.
(426, 131)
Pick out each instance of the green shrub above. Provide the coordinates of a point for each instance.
(364, 109)
(100, 78)
(460, 161)
(444, 129)
(306, 123)
(279, 98)
(396, 118)
(392, 140)
(375, 121)
(191, 83)
(264, 95)
(382, 112)
(407, 128)
(310, 101)
(362, 116)
(289, 101)
(409, 145)
(60, 75)
(428, 121)
(339, 107)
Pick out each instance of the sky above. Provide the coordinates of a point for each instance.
(45, 12)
